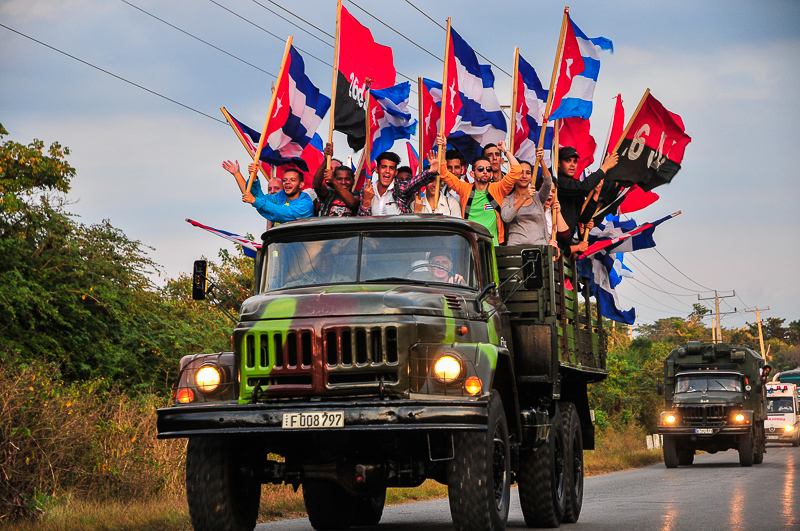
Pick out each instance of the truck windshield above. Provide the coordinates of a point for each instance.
(691, 384)
(370, 258)
(780, 405)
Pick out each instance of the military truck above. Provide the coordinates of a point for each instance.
(715, 400)
(381, 352)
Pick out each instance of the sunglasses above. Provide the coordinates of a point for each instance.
(484, 168)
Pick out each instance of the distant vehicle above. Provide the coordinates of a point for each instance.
(792, 377)
(715, 400)
(783, 423)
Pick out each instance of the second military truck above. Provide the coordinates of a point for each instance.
(381, 352)
(715, 401)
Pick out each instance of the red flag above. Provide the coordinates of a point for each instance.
(451, 100)
(521, 108)
(359, 58)
(652, 150)
(617, 125)
(637, 199)
(413, 159)
(571, 65)
(575, 132)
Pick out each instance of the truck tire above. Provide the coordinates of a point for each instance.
(543, 478)
(685, 456)
(573, 437)
(328, 505)
(670, 452)
(746, 450)
(796, 441)
(370, 510)
(218, 499)
(479, 475)
(760, 446)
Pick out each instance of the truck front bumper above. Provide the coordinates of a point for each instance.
(359, 416)
(782, 436)
(700, 431)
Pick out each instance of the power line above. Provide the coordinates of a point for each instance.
(665, 278)
(656, 300)
(113, 75)
(394, 30)
(199, 39)
(301, 18)
(681, 272)
(445, 29)
(269, 32)
(295, 25)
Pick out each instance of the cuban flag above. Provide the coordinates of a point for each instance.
(580, 65)
(598, 270)
(431, 113)
(389, 118)
(529, 115)
(248, 246)
(623, 236)
(298, 109)
(472, 115)
(313, 156)
(249, 138)
(413, 158)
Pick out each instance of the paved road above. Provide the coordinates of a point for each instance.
(713, 494)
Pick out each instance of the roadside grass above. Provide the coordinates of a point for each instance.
(620, 448)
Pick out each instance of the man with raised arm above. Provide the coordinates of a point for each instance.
(288, 204)
(390, 196)
(333, 188)
(480, 201)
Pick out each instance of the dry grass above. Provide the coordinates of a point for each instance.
(620, 449)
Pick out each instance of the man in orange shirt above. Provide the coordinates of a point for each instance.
(481, 200)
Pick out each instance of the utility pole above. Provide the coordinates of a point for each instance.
(758, 311)
(713, 330)
(717, 297)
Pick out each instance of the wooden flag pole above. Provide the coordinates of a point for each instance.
(241, 138)
(554, 151)
(263, 139)
(421, 121)
(443, 149)
(335, 77)
(546, 118)
(514, 95)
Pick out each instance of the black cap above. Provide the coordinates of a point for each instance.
(567, 152)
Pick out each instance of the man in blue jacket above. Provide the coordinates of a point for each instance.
(288, 204)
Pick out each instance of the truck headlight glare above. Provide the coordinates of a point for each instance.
(788, 428)
(739, 417)
(670, 419)
(447, 368)
(208, 378)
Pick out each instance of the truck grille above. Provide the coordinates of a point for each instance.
(283, 357)
(708, 416)
(345, 346)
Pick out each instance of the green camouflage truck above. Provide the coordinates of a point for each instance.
(381, 352)
(715, 400)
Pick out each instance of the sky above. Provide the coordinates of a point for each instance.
(730, 69)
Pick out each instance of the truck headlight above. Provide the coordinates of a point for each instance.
(447, 368)
(739, 417)
(788, 428)
(670, 419)
(208, 378)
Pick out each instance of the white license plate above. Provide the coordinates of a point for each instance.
(316, 419)
(704, 431)
(773, 437)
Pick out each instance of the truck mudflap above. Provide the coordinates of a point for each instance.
(377, 415)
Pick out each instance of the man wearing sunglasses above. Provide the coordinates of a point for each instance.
(481, 200)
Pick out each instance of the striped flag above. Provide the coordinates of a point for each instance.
(529, 115)
(389, 118)
(248, 246)
(249, 138)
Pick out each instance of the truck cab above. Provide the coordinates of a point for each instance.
(381, 352)
(783, 418)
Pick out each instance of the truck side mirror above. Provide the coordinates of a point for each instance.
(487, 289)
(199, 280)
(660, 388)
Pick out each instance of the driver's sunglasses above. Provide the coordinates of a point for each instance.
(483, 168)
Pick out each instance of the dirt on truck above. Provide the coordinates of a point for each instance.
(381, 352)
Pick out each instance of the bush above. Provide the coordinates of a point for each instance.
(81, 439)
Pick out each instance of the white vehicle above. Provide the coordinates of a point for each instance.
(783, 422)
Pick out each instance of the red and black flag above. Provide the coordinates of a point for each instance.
(651, 152)
(361, 61)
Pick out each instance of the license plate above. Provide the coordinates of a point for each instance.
(772, 437)
(316, 419)
(704, 431)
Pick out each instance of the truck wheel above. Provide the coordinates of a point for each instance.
(328, 505)
(479, 475)
(218, 499)
(670, 451)
(758, 451)
(370, 510)
(574, 460)
(543, 478)
(746, 450)
(686, 456)
(796, 442)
